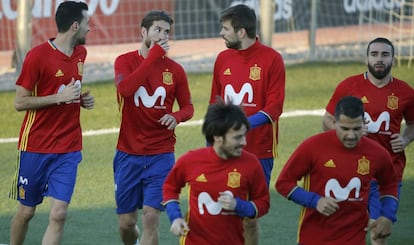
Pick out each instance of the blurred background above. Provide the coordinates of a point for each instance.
(301, 30)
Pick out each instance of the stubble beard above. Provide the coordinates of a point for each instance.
(379, 74)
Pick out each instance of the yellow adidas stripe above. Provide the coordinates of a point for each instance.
(306, 186)
(13, 186)
(275, 146)
(29, 123)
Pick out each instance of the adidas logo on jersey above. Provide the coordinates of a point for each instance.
(364, 100)
(201, 178)
(330, 164)
(59, 73)
(227, 72)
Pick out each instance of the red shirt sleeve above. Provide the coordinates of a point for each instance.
(126, 81)
(183, 97)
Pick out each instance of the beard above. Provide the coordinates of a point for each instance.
(233, 44)
(379, 74)
(79, 40)
(231, 152)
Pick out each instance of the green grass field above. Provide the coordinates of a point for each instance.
(92, 218)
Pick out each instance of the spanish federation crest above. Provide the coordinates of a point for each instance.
(167, 78)
(22, 193)
(255, 73)
(80, 68)
(363, 166)
(233, 180)
(392, 102)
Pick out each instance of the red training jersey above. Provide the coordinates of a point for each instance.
(56, 128)
(331, 170)
(385, 108)
(255, 79)
(207, 175)
(146, 90)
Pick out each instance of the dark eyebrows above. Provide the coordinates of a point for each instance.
(378, 52)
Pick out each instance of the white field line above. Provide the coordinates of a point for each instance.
(297, 113)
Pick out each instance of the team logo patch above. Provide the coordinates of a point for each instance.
(392, 102)
(22, 193)
(80, 68)
(255, 73)
(363, 166)
(167, 78)
(233, 180)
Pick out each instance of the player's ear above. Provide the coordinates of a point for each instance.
(241, 32)
(218, 139)
(75, 25)
(144, 32)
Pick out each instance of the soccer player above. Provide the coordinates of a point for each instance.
(337, 167)
(50, 142)
(387, 101)
(148, 83)
(251, 75)
(225, 182)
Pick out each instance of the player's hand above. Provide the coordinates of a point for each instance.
(87, 100)
(380, 228)
(327, 206)
(398, 143)
(163, 44)
(169, 121)
(179, 227)
(227, 200)
(72, 91)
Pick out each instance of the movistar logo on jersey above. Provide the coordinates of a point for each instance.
(230, 95)
(149, 100)
(206, 202)
(374, 126)
(335, 190)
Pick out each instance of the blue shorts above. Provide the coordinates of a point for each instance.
(267, 165)
(139, 180)
(374, 203)
(44, 174)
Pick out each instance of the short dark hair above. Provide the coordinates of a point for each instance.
(349, 106)
(381, 40)
(241, 16)
(222, 117)
(155, 15)
(69, 12)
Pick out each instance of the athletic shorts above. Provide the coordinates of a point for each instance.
(43, 174)
(267, 165)
(374, 203)
(139, 180)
